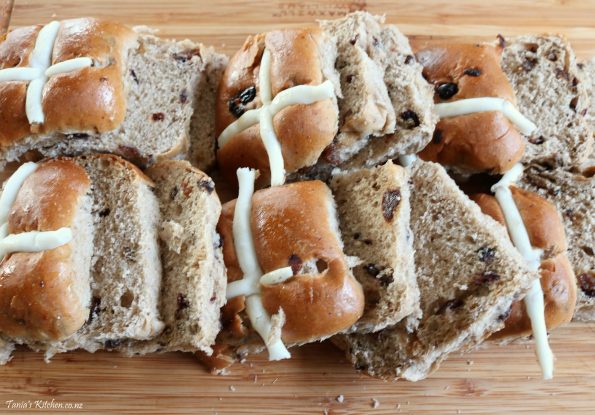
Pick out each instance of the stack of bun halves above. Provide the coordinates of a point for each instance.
(403, 201)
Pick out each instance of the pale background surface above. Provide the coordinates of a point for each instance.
(492, 380)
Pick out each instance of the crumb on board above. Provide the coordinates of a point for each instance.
(340, 398)
(232, 388)
(470, 362)
(375, 403)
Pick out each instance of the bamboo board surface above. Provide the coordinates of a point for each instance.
(490, 380)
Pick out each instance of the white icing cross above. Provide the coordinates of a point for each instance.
(40, 70)
(534, 299)
(246, 253)
(472, 105)
(300, 94)
(34, 241)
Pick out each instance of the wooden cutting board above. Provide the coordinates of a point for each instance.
(318, 379)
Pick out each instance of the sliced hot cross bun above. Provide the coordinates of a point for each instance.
(319, 297)
(321, 290)
(264, 74)
(481, 139)
(95, 275)
(546, 232)
(88, 85)
(348, 94)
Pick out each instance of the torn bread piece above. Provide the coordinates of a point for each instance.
(373, 206)
(289, 281)
(468, 273)
(573, 193)
(194, 279)
(551, 92)
(88, 85)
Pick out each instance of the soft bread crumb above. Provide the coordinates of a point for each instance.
(172, 233)
(340, 398)
(375, 403)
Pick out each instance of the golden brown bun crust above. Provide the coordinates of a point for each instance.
(291, 225)
(36, 299)
(91, 99)
(541, 218)
(546, 231)
(559, 291)
(480, 142)
(304, 131)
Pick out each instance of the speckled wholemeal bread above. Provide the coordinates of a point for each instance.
(202, 127)
(373, 209)
(468, 273)
(386, 107)
(551, 92)
(194, 277)
(365, 108)
(573, 193)
(125, 266)
(138, 99)
(411, 97)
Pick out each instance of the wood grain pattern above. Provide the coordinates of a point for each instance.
(491, 380)
(226, 23)
(494, 379)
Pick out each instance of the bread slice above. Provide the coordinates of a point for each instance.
(125, 267)
(365, 108)
(573, 193)
(373, 209)
(202, 126)
(468, 274)
(194, 276)
(412, 100)
(168, 96)
(550, 92)
(387, 106)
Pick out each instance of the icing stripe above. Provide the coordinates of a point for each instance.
(68, 66)
(34, 241)
(11, 188)
(534, 302)
(241, 287)
(20, 74)
(277, 276)
(39, 70)
(472, 105)
(246, 254)
(300, 94)
(248, 119)
(272, 146)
